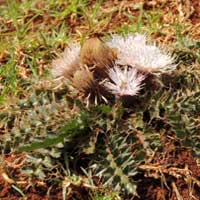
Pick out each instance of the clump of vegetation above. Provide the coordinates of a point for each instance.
(116, 123)
(121, 67)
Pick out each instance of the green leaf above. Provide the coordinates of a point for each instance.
(74, 127)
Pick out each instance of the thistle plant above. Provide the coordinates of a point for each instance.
(117, 117)
(112, 145)
(119, 66)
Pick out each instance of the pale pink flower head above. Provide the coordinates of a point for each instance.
(124, 82)
(68, 62)
(135, 51)
(129, 41)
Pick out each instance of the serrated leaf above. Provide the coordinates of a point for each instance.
(66, 133)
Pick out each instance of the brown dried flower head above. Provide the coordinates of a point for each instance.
(87, 87)
(83, 79)
(97, 56)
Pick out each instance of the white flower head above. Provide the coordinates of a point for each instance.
(68, 62)
(124, 43)
(136, 52)
(124, 82)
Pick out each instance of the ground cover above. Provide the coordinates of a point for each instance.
(54, 147)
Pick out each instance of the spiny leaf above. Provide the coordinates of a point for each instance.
(115, 162)
(73, 128)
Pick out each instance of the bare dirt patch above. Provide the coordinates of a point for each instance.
(173, 173)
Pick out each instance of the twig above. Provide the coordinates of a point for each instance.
(179, 197)
(6, 178)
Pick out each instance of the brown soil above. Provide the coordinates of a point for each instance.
(10, 176)
(7, 192)
(195, 17)
(32, 188)
(171, 173)
(39, 191)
